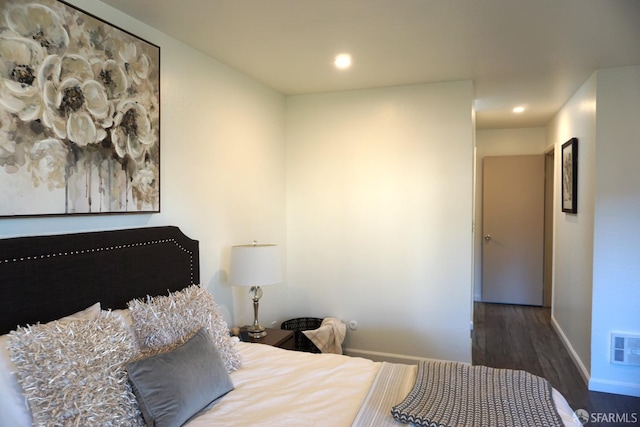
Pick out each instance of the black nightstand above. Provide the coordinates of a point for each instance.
(275, 337)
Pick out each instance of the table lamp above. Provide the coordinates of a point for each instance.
(255, 265)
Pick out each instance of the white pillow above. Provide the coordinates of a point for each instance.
(13, 405)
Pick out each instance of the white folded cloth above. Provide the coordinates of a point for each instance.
(329, 336)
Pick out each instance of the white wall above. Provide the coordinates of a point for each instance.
(379, 215)
(499, 142)
(573, 233)
(222, 164)
(596, 272)
(616, 270)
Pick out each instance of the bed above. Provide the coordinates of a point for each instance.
(107, 282)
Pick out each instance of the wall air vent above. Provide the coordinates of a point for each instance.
(625, 349)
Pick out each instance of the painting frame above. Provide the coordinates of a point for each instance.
(569, 165)
(79, 114)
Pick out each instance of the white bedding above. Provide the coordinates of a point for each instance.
(278, 387)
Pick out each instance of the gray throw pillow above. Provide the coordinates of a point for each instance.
(175, 386)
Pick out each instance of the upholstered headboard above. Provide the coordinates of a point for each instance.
(44, 278)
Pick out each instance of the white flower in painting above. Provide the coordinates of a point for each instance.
(38, 23)
(112, 77)
(19, 62)
(132, 133)
(137, 65)
(144, 184)
(48, 160)
(76, 105)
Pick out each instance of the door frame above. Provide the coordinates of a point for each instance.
(549, 198)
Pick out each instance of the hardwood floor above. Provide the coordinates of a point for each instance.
(522, 337)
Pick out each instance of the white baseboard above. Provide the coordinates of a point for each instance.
(615, 387)
(595, 384)
(574, 356)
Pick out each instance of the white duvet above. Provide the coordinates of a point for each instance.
(278, 387)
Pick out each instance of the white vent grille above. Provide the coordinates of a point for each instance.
(625, 349)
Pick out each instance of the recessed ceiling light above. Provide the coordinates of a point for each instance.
(518, 109)
(342, 61)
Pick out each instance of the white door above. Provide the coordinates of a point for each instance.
(513, 229)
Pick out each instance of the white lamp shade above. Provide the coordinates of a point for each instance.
(255, 265)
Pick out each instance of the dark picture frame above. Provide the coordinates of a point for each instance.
(79, 114)
(570, 176)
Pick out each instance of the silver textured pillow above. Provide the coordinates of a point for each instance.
(72, 373)
(13, 407)
(165, 321)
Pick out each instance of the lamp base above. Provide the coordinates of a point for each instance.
(256, 332)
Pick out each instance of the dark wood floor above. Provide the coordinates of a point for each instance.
(522, 337)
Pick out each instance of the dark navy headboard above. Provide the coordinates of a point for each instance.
(44, 278)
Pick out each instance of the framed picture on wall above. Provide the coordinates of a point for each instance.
(570, 176)
(79, 113)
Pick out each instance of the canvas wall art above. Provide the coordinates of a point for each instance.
(570, 176)
(79, 113)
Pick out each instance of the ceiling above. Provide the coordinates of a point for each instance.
(534, 53)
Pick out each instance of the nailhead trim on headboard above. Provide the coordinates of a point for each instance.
(108, 248)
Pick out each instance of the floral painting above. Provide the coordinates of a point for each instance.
(79, 113)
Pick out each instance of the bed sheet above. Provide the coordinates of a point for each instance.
(280, 388)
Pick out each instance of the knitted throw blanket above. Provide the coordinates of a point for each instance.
(448, 394)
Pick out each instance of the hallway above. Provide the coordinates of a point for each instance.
(522, 337)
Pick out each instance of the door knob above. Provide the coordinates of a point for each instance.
(487, 237)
